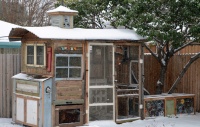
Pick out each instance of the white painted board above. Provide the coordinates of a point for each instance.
(28, 88)
(32, 113)
(20, 109)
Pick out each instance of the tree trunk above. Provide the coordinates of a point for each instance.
(192, 59)
(161, 80)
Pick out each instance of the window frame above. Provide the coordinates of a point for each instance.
(35, 55)
(68, 66)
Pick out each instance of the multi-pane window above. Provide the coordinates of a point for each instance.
(68, 66)
(35, 55)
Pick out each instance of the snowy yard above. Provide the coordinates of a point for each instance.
(180, 121)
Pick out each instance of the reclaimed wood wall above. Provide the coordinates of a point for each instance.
(69, 90)
(9, 66)
(190, 83)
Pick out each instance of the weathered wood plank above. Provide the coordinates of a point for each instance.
(68, 83)
(1, 85)
(68, 97)
(8, 85)
(64, 89)
(4, 85)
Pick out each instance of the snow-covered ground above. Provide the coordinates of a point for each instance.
(5, 122)
(172, 121)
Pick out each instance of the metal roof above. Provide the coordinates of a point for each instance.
(52, 32)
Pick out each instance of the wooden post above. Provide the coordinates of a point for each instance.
(86, 82)
(141, 82)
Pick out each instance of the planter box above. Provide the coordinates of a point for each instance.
(169, 104)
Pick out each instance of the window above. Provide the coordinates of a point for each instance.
(68, 66)
(36, 55)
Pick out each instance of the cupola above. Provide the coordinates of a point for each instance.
(62, 17)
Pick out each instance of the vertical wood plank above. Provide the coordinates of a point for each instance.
(4, 85)
(8, 85)
(1, 85)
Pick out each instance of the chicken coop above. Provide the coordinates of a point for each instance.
(71, 76)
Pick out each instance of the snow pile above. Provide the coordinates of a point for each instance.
(172, 121)
(5, 122)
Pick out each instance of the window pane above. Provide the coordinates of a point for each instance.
(40, 60)
(40, 50)
(30, 50)
(75, 72)
(40, 55)
(75, 61)
(101, 95)
(30, 54)
(62, 61)
(61, 72)
(30, 59)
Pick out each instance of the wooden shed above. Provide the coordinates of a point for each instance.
(71, 76)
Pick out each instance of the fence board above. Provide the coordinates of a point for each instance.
(4, 85)
(7, 84)
(1, 85)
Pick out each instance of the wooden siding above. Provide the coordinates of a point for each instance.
(31, 69)
(69, 90)
(9, 66)
(189, 83)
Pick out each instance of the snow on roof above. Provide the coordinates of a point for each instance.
(5, 30)
(52, 32)
(4, 33)
(62, 9)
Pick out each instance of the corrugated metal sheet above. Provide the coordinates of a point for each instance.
(10, 44)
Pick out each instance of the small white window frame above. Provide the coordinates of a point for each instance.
(35, 55)
(69, 55)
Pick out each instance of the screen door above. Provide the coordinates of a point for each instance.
(101, 83)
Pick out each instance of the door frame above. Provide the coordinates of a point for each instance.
(113, 78)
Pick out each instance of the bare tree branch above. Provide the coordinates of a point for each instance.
(153, 54)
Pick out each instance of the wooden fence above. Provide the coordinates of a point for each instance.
(9, 66)
(190, 49)
(190, 83)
